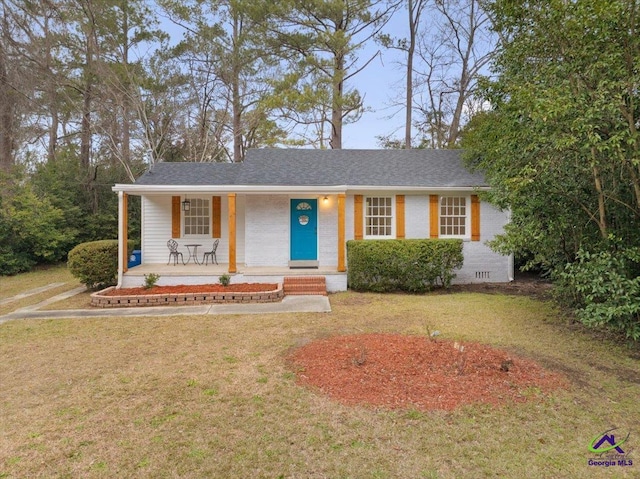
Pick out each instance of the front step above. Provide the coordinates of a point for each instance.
(305, 285)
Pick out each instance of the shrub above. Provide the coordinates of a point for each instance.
(414, 265)
(225, 279)
(95, 263)
(604, 288)
(150, 280)
(32, 232)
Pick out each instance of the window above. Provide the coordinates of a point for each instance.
(197, 220)
(453, 216)
(378, 216)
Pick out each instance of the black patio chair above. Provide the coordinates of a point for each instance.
(173, 252)
(211, 254)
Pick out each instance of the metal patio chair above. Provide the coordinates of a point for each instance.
(211, 254)
(173, 252)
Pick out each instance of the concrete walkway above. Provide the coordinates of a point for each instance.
(30, 292)
(289, 304)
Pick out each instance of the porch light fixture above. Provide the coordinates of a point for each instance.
(186, 205)
(325, 200)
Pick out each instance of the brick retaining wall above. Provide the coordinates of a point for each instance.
(99, 300)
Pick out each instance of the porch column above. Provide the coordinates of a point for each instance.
(232, 233)
(342, 204)
(123, 227)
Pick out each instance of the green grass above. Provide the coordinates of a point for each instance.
(211, 396)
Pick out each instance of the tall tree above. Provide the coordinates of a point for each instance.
(320, 40)
(228, 68)
(12, 95)
(159, 102)
(455, 50)
(130, 31)
(408, 46)
(37, 47)
(7, 103)
(448, 48)
(561, 144)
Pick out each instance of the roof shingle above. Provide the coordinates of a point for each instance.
(302, 167)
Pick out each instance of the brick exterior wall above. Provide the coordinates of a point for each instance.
(481, 264)
(101, 300)
(263, 236)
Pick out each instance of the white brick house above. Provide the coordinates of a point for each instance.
(291, 211)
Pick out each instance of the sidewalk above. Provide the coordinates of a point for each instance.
(289, 304)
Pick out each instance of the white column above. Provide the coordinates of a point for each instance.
(122, 247)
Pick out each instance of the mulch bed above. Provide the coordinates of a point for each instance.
(200, 288)
(409, 372)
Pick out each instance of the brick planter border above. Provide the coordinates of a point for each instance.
(100, 300)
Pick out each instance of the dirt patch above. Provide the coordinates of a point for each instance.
(402, 372)
(524, 285)
(199, 288)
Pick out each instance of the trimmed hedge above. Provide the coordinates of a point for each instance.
(95, 263)
(412, 265)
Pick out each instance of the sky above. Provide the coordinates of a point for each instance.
(380, 84)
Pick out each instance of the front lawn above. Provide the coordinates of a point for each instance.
(38, 285)
(211, 396)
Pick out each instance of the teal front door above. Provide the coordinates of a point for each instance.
(304, 230)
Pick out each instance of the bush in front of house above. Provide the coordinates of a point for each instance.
(95, 263)
(411, 265)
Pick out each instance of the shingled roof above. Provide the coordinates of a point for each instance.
(189, 173)
(301, 167)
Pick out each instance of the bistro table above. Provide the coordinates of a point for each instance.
(193, 253)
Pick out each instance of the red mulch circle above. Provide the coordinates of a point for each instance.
(409, 372)
(200, 288)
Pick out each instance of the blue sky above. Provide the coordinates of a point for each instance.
(380, 84)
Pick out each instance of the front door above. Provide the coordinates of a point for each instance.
(304, 230)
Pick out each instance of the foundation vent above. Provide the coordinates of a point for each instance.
(483, 275)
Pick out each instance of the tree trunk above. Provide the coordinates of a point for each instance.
(235, 97)
(6, 115)
(51, 93)
(454, 128)
(85, 129)
(336, 103)
(602, 211)
(414, 19)
(53, 127)
(87, 100)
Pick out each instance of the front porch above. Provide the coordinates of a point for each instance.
(206, 274)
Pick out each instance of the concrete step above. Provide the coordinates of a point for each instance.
(299, 285)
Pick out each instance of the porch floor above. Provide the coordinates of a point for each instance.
(216, 270)
(207, 274)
